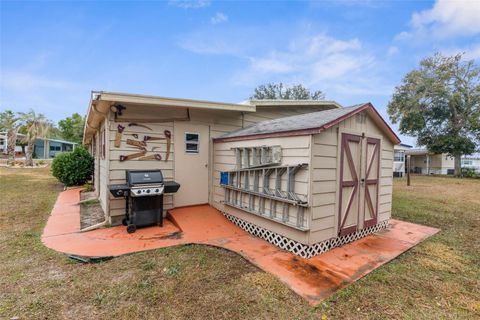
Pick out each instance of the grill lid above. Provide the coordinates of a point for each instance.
(135, 177)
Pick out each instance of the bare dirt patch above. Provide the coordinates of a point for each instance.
(91, 212)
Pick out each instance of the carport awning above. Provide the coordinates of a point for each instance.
(101, 102)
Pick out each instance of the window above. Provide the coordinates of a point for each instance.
(399, 156)
(55, 148)
(192, 142)
(467, 162)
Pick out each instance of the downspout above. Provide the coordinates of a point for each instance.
(95, 226)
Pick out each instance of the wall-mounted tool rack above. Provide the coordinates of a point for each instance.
(251, 189)
(260, 156)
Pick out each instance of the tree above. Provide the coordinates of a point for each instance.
(34, 126)
(277, 91)
(439, 104)
(9, 123)
(71, 128)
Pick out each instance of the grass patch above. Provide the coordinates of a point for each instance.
(438, 279)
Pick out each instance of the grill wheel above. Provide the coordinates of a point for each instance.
(131, 228)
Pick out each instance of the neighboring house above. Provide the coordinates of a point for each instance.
(424, 162)
(327, 178)
(43, 148)
(471, 161)
(399, 166)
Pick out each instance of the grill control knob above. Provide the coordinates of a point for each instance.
(148, 191)
(156, 190)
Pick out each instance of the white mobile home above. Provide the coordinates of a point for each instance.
(471, 161)
(44, 148)
(305, 175)
(399, 166)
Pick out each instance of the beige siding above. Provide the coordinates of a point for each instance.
(325, 176)
(295, 150)
(117, 167)
(220, 122)
(103, 193)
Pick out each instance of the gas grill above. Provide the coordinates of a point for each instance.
(143, 192)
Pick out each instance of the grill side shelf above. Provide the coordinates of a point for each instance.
(171, 186)
(119, 190)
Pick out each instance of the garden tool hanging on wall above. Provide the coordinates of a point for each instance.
(134, 124)
(155, 156)
(118, 136)
(168, 137)
(137, 143)
(133, 155)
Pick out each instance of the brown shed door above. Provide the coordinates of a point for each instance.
(359, 182)
(372, 170)
(350, 166)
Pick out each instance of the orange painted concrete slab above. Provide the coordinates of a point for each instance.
(314, 279)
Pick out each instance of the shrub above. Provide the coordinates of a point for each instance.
(470, 173)
(73, 168)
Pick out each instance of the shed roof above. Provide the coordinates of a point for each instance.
(308, 123)
(330, 104)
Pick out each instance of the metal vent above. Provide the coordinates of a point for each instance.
(361, 117)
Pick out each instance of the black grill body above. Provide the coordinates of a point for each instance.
(146, 211)
(143, 192)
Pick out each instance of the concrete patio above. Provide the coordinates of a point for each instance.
(314, 279)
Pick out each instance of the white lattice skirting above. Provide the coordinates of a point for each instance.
(300, 249)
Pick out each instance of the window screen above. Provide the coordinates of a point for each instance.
(191, 142)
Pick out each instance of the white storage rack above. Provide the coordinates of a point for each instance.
(249, 188)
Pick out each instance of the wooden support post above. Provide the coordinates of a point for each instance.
(408, 170)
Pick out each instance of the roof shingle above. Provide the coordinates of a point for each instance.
(293, 123)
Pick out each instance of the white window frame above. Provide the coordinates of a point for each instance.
(402, 156)
(192, 142)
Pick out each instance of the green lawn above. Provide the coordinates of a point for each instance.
(440, 278)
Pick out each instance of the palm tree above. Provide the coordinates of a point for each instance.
(9, 123)
(35, 126)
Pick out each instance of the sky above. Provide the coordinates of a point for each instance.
(53, 54)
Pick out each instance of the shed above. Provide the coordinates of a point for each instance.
(310, 182)
(219, 151)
